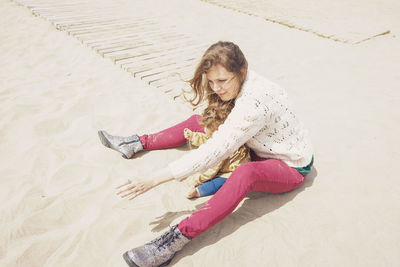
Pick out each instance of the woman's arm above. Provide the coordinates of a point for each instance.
(244, 121)
(132, 189)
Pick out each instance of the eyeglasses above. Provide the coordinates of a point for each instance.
(220, 83)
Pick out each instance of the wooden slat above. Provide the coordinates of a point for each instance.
(140, 44)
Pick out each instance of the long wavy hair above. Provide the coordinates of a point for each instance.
(228, 55)
(214, 115)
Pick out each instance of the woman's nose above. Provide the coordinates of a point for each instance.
(216, 87)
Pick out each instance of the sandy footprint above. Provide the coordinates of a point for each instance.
(51, 127)
(67, 177)
(39, 251)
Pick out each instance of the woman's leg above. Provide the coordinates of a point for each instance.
(171, 137)
(211, 187)
(270, 175)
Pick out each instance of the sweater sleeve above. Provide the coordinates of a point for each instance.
(244, 121)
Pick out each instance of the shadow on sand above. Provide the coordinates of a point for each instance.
(185, 147)
(255, 205)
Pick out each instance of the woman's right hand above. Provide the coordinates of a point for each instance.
(132, 189)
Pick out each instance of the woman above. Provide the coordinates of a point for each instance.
(261, 118)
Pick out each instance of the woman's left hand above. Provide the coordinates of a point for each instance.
(132, 189)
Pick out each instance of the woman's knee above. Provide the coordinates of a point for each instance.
(193, 123)
(195, 119)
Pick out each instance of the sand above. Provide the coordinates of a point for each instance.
(57, 198)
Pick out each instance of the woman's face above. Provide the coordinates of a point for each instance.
(224, 83)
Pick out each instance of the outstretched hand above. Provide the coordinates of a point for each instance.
(132, 189)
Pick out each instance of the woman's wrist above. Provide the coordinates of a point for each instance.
(161, 180)
(162, 176)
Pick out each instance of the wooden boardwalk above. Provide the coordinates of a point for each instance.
(142, 44)
(340, 20)
(149, 42)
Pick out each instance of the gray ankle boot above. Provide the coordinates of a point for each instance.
(158, 252)
(128, 146)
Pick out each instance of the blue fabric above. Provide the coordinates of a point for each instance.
(211, 187)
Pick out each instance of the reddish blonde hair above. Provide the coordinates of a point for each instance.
(214, 115)
(226, 54)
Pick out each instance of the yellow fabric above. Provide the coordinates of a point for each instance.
(224, 168)
(198, 139)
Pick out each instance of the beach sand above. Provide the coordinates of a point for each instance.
(57, 198)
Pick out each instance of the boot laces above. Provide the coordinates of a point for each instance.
(167, 238)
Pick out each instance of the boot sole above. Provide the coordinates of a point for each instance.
(128, 260)
(132, 264)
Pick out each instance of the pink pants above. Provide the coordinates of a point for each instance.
(171, 137)
(266, 175)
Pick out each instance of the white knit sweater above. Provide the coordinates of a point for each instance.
(263, 120)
